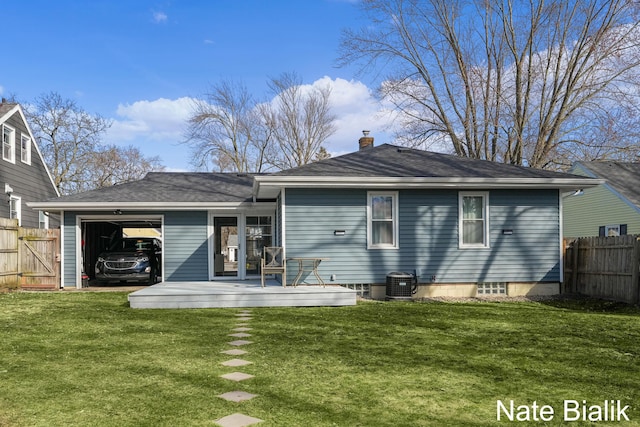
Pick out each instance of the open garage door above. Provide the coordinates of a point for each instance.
(99, 234)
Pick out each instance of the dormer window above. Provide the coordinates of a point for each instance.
(8, 144)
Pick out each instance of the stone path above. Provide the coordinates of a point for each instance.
(240, 331)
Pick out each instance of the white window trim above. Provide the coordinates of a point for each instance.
(25, 158)
(609, 228)
(396, 221)
(45, 216)
(485, 209)
(11, 159)
(18, 208)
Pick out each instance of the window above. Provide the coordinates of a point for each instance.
(612, 230)
(382, 221)
(15, 208)
(25, 149)
(43, 220)
(473, 213)
(8, 144)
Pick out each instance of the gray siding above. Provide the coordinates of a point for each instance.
(428, 237)
(30, 182)
(185, 246)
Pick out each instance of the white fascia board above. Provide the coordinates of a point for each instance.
(266, 184)
(145, 206)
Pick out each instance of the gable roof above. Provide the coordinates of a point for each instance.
(164, 190)
(383, 167)
(388, 160)
(390, 166)
(7, 110)
(622, 177)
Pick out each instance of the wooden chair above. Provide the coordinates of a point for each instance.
(273, 263)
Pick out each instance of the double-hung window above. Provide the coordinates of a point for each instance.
(8, 144)
(473, 219)
(25, 149)
(15, 208)
(382, 220)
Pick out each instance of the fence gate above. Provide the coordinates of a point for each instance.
(9, 253)
(38, 256)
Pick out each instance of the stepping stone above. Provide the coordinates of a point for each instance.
(236, 362)
(235, 352)
(237, 376)
(240, 335)
(237, 420)
(242, 324)
(237, 396)
(244, 319)
(240, 342)
(242, 329)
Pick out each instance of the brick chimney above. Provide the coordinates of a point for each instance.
(365, 141)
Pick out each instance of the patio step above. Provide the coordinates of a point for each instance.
(238, 295)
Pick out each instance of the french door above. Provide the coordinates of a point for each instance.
(236, 244)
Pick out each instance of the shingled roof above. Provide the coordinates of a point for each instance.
(174, 187)
(623, 177)
(393, 161)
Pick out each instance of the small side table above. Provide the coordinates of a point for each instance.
(308, 264)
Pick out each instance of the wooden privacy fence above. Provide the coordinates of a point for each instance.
(603, 267)
(29, 257)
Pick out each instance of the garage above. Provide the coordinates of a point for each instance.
(99, 233)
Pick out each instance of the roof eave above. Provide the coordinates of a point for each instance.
(143, 206)
(265, 186)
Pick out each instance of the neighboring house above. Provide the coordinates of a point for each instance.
(609, 209)
(24, 177)
(460, 224)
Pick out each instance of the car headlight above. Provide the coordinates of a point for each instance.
(100, 259)
(143, 259)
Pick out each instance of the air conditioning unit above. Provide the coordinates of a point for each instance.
(399, 285)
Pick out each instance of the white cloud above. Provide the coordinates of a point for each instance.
(160, 17)
(1, 90)
(157, 127)
(162, 119)
(356, 110)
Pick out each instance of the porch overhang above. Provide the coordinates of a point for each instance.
(269, 186)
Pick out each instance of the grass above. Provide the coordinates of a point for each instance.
(77, 359)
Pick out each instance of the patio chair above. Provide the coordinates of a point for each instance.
(273, 263)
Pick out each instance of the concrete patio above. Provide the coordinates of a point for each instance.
(238, 294)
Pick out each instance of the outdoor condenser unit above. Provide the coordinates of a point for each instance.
(399, 285)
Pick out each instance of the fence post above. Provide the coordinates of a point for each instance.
(635, 273)
(574, 266)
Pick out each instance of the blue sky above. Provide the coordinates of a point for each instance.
(140, 62)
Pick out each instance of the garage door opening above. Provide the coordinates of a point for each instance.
(125, 251)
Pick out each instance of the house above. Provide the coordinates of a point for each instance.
(463, 226)
(609, 209)
(24, 176)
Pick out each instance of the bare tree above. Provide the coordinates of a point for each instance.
(517, 82)
(67, 135)
(224, 130)
(300, 120)
(70, 140)
(112, 165)
(229, 130)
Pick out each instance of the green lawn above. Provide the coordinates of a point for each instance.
(80, 359)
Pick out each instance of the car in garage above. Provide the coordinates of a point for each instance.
(136, 259)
